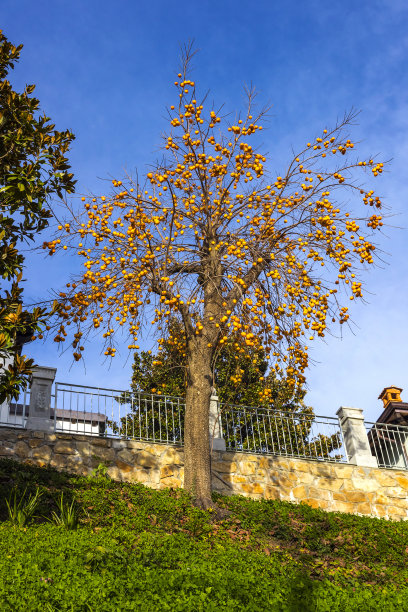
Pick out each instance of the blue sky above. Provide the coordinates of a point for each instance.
(105, 70)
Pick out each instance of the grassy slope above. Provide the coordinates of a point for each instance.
(139, 549)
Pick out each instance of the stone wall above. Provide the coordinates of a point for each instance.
(335, 487)
(331, 486)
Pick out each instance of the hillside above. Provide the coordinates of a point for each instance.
(140, 549)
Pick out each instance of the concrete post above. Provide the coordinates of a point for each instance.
(355, 437)
(40, 399)
(217, 442)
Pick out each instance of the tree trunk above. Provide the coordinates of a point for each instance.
(197, 459)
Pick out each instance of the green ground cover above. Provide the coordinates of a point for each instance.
(140, 549)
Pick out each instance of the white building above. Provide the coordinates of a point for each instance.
(69, 421)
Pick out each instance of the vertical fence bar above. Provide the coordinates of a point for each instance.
(271, 432)
(55, 406)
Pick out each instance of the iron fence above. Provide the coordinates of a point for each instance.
(114, 412)
(14, 413)
(389, 444)
(160, 418)
(279, 432)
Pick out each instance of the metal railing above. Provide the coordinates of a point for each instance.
(389, 444)
(15, 412)
(160, 418)
(114, 412)
(279, 432)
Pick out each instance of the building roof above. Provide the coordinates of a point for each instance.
(61, 413)
(394, 412)
(79, 415)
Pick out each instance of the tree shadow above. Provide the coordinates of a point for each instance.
(303, 594)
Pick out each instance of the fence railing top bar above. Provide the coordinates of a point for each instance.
(376, 425)
(246, 407)
(158, 395)
(64, 384)
(266, 410)
(90, 389)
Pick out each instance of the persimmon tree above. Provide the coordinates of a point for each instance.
(33, 168)
(212, 236)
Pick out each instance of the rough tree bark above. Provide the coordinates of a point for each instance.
(197, 459)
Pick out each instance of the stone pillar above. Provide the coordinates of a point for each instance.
(217, 442)
(355, 437)
(40, 399)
